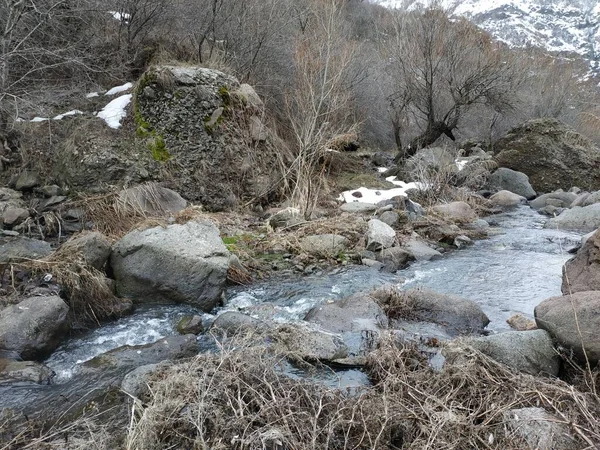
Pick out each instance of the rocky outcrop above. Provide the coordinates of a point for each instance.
(511, 180)
(577, 219)
(33, 327)
(93, 247)
(552, 154)
(573, 321)
(180, 263)
(582, 272)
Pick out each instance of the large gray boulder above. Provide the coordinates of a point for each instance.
(152, 199)
(460, 211)
(582, 272)
(325, 245)
(507, 198)
(24, 371)
(379, 235)
(540, 429)
(573, 321)
(558, 199)
(179, 263)
(232, 322)
(358, 312)
(420, 250)
(93, 247)
(591, 199)
(21, 248)
(34, 327)
(511, 180)
(577, 219)
(527, 351)
(308, 341)
(394, 258)
(552, 154)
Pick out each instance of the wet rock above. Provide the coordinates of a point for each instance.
(456, 210)
(14, 216)
(395, 258)
(558, 199)
(511, 180)
(551, 211)
(527, 351)
(420, 251)
(152, 199)
(27, 181)
(22, 248)
(573, 321)
(93, 247)
(359, 207)
(33, 327)
(358, 312)
(328, 245)
(390, 218)
(580, 200)
(24, 371)
(135, 382)
(190, 325)
(540, 429)
(592, 199)
(519, 322)
(232, 322)
(507, 199)
(583, 219)
(477, 225)
(285, 218)
(307, 341)
(462, 241)
(582, 272)
(379, 235)
(372, 263)
(180, 263)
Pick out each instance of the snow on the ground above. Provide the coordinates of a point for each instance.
(115, 111)
(461, 163)
(73, 112)
(120, 16)
(382, 169)
(119, 89)
(39, 119)
(377, 195)
(92, 95)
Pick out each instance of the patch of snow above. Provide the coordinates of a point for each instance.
(382, 169)
(376, 195)
(120, 16)
(119, 89)
(73, 112)
(92, 95)
(115, 111)
(39, 119)
(461, 163)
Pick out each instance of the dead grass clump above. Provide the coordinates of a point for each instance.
(395, 303)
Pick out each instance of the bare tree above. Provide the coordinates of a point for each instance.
(440, 69)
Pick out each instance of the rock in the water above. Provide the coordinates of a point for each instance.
(521, 323)
(507, 198)
(307, 341)
(557, 199)
(14, 216)
(180, 263)
(190, 325)
(285, 218)
(152, 199)
(27, 181)
(552, 154)
(456, 210)
(379, 235)
(93, 247)
(22, 248)
(232, 322)
(327, 245)
(582, 272)
(591, 198)
(420, 250)
(395, 258)
(540, 429)
(358, 312)
(359, 207)
(573, 321)
(581, 219)
(527, 351)
(513, 181)
(24, 371)
(33, 327)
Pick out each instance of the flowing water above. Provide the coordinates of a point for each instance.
(514, 270)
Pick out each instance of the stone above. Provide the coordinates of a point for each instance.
(552, 154)
(50, 191)
(179, 263)
(27, 181)
(531, 352)
(462, 241)
(249, 96)
(584, 219)
(521, 323)
(359, 208)
(379, 235)
(22, 248)
(582, 272)
(285, 218)
(573, 321)
(14, 216)
(24, 371)
(93, 247)
(152, 199)
(325, 245)
(556, 199)
(232, 322)
(52, 201)
(592, 199)
(540, 429)
(551, 211)
(513, 181)
(135, 383)
(507, 199)
(434, 158)
(390, 217)
(258, 131)
(359, 312)
(395, 258)
(34, 327)
(372, 263)
(477, 225)
(190, 325)
(580, 200)
(456, 210)
(309, 342)
(420, 251)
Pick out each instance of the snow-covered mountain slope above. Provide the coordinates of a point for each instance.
(556, 25)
